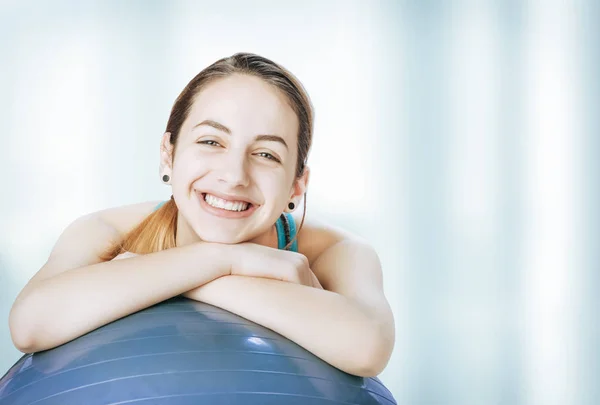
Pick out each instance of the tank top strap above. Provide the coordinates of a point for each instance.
(286, 231)
(292, 223)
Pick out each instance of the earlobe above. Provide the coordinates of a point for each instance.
(298, 190)
(166, 153)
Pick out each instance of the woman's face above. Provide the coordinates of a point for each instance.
(235, 161)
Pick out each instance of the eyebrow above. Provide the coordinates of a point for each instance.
(221, 127)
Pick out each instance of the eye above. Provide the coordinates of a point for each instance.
(209, 142)
(268, 156)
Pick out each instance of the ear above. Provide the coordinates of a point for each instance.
(300, 186)
(166, 155)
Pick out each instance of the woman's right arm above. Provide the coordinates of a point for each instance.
(74, 293)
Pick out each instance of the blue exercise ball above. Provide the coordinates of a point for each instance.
(183, 352)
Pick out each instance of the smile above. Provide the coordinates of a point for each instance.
(225, 204)
(225, 208)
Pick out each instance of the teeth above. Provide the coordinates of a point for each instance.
(223, 204)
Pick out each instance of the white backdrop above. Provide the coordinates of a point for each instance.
(460, 138)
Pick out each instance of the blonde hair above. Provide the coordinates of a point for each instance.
(157, 231)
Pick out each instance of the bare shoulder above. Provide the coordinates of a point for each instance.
(124, 218)
(316, 236)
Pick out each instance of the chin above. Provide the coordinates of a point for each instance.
(219, 238)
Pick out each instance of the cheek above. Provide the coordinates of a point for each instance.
(189, 165)
(275, 188)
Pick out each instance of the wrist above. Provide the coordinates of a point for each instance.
(216, 256)
(234, 254)
(227, 255)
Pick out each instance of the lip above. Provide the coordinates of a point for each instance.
(221, 212)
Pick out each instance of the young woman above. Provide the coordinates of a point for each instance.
(234, 154)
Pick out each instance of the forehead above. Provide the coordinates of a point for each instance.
(247, 105)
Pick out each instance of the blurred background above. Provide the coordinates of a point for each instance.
(459, 137)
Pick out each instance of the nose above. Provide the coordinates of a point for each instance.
(233, 170)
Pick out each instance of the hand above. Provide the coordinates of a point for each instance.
(251, 259)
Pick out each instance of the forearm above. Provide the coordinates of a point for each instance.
(74, 302)
(325, 323)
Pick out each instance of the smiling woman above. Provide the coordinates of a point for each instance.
(233, 146)
(234, 154)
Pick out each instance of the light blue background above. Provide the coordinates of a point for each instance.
(460, 138)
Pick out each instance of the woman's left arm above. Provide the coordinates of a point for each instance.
(349, 324)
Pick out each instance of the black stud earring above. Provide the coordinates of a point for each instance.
(165, 178)
(291, 206)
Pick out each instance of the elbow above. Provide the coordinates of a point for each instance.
(22, 325)
(20, 331)
(24, 346)
(372, 366)
(377, 356)
(21, 343)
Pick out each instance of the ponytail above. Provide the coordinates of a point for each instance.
(155, 233)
